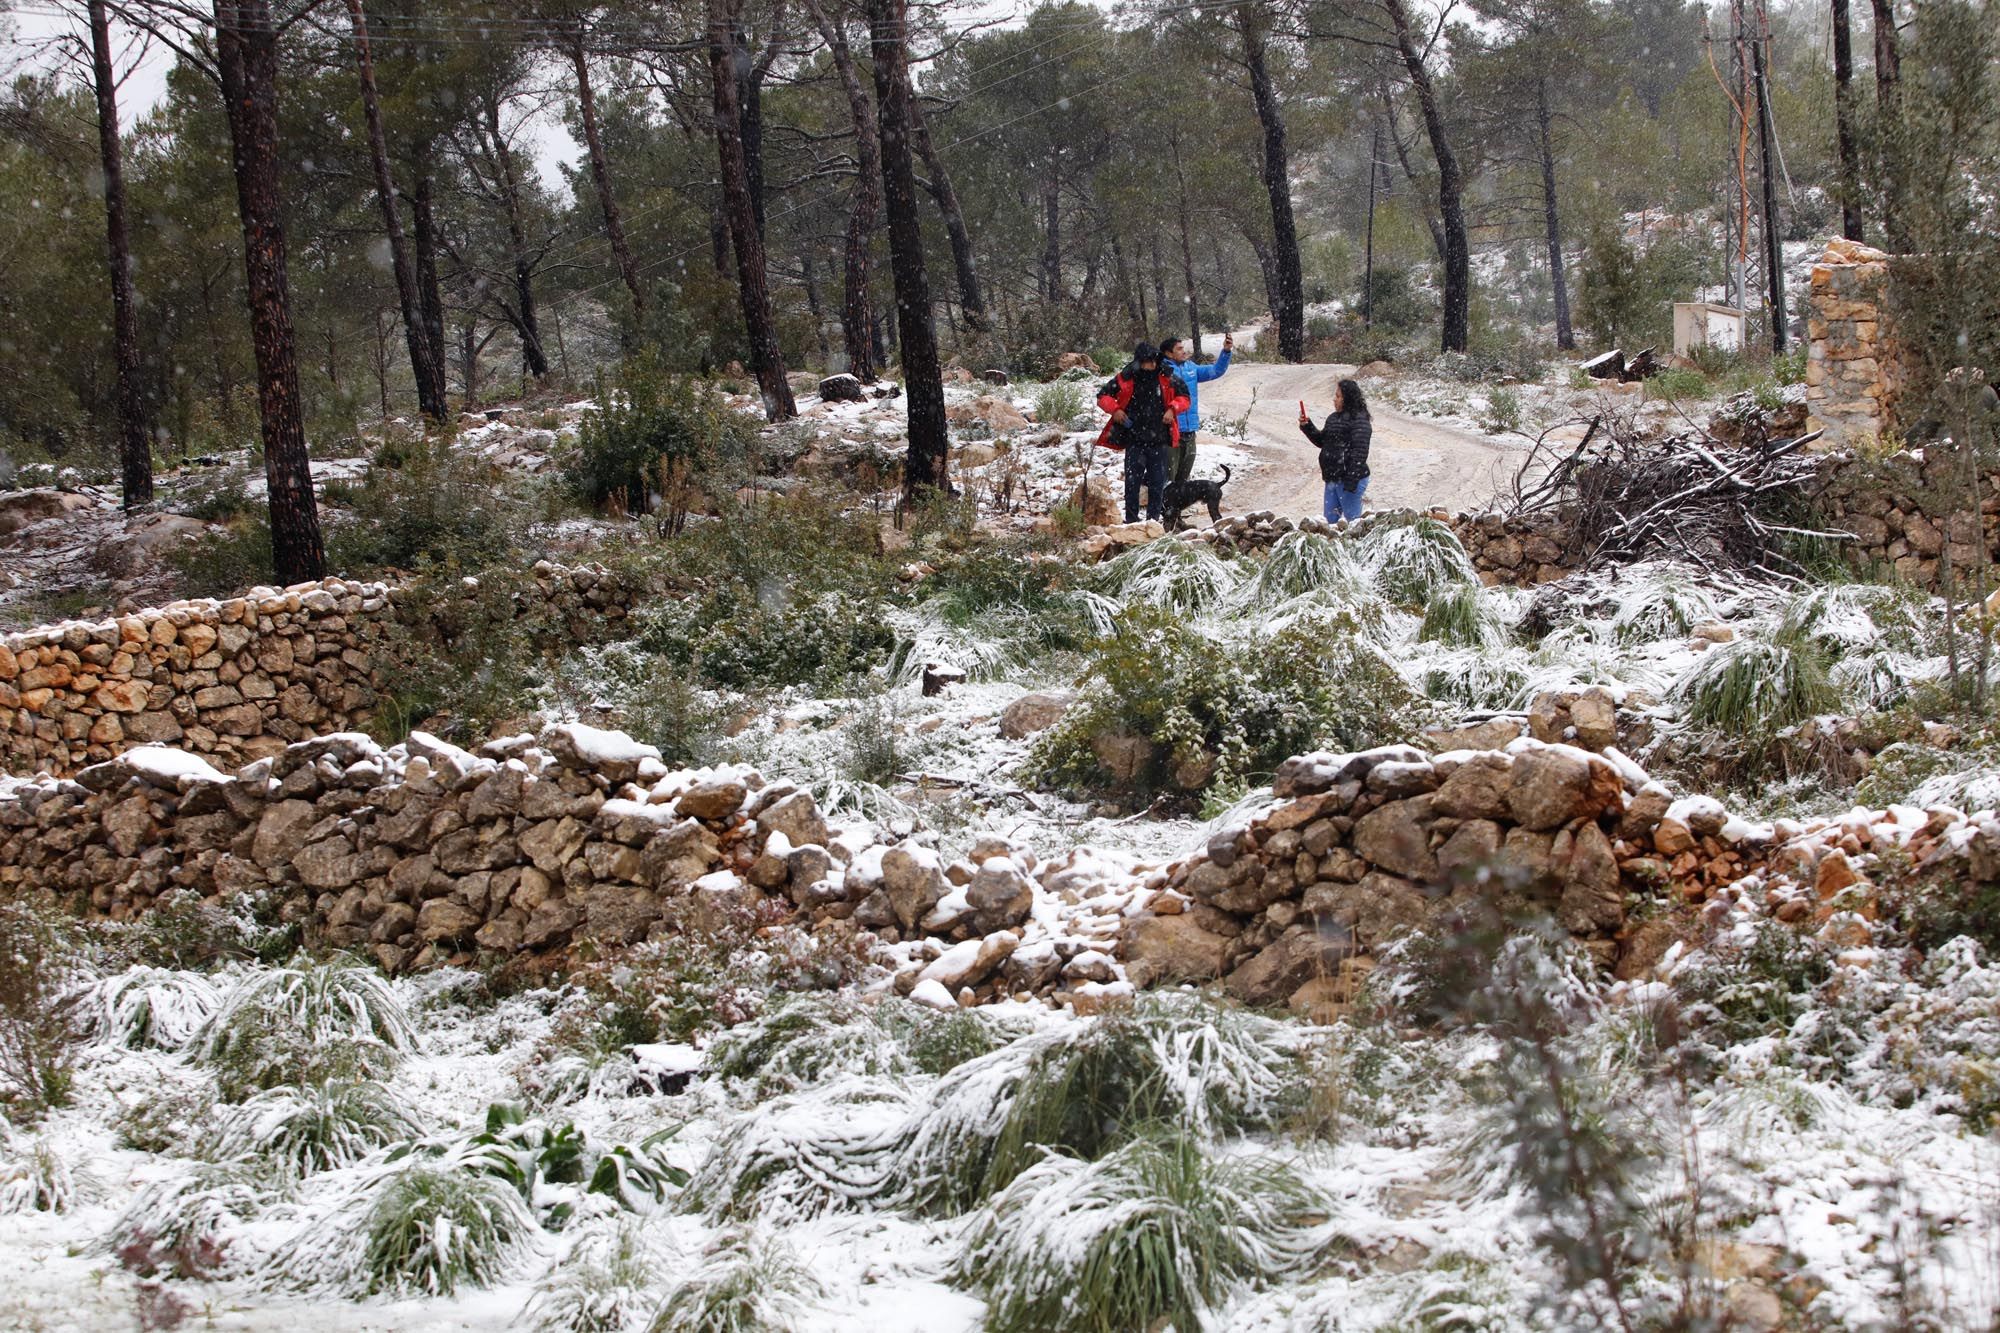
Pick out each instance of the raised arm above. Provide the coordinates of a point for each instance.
(1215, 370)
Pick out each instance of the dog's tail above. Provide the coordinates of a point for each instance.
(1225, 473)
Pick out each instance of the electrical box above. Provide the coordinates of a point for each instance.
(1703, 323)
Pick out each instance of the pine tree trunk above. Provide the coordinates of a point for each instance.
(1187, 249)
(1451, 187)
(749, 117)
(923, 378)
(970, 302)
(1774, 253)
(135, 447)
(526, 323)
(600, 175)
(1845, 141)
(767, 360)
(430, 297)
(1288, 296)
(856, 315)
(1889, 114)
(1551, 220)
(246, 57)
(422, 353)
(1052, 236)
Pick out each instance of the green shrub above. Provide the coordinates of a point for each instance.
(224, 562)
(45, 966)
(1503, 412)
(1752, 687)
(1759, 987)
(653, 430)
(1058, 403)
(1677, 383)
(470, 651)
(1219, 712)
(434, 506)
(767, 642)
(1154, 1234)
(1457, 615)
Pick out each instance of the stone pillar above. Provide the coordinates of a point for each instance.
(1852, 367)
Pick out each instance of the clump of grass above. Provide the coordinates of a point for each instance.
(1412, 562)
(743, 1284)
(149, 1007)
(1755, 686)
(306, 1130)
(1153, 1234)
(1173, 1060)
(1307, 562)
(1458, 615)
(34, 1178)
(183, 1225)
(1184, 578)
(310, 1024)
(604, 1284)
(1661, 602)
(430, 1227)
(825, 1150)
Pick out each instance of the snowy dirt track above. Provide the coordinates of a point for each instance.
(1414, 463)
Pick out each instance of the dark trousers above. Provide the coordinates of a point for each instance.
(1145, 465)
(1180, 463)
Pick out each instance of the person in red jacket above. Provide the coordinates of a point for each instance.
(1145, 401)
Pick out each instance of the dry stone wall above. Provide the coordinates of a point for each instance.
(235, 680)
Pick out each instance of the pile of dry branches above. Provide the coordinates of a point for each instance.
(1623, 497)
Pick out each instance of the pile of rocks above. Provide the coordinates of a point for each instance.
(238, 679)
(426, 853)
(1292, 907)
(1258, 531)
(1522, 550)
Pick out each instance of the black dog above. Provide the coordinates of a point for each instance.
(1184, 494)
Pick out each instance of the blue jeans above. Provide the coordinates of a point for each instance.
(1145, 465)
(1340, 502)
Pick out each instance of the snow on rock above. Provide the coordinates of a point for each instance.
(931, 992)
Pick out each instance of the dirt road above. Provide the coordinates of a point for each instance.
(1414, 463)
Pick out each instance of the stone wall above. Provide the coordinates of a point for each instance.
(1903, 509)
(1852, 372)
(236, 680)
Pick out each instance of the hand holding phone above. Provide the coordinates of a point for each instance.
(1302, 411)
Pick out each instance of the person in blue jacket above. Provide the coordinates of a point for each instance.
(1180, 462)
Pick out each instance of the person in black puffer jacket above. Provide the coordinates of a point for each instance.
(1343, 451)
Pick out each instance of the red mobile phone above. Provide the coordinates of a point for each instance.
(1302, 407)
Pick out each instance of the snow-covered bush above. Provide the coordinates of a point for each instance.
(605, 1284)
(1752, 687)
(1941, 1039)
(1152, 1233)
(1659, 601)
(314, 1128)
(298, 1025)
(41, 971)
(744, 1283)
(1172, 1060)
(1457, 615)
(802, 1039)
(831, 1148)
(421, 1226)
(34, 1178)
(1411, 562)
(183, 1224)
(1184, 578)
(148, 1006)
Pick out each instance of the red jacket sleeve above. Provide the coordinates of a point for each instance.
(1177, 394)
(1115, 395)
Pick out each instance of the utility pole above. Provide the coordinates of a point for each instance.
(1774, 254)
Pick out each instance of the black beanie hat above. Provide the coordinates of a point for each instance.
(1145, 352)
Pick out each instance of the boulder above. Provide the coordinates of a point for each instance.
(443, 919)
(679, 855)
(1492, 734)
(714, 801)
(797, 817)
(1477, 789)
(1273, 973)
(1595, 719)
(1123, 757)
(842, 389)
(1473, 844)
(1032, 713)
(1551, 787)
(1166, 949)
(1396, 837)
(281, 833)
(1593, 899)
(914, 884)
(1000, 896)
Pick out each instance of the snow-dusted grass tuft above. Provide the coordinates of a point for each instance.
(431, 1228)
(803, 1039)
(312, 1129)
(1155, 1232)
(184, 1225)
(605, 1284)
(1660, 601)
(1753, 686)
(1306, 562)
(1185, 578)
(148, 1006)
(825, 1150)
(1175, 1060)
(744, 1284)
(1412, 562)
(1458, 615)
(309, 1023)
(34, 1178)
